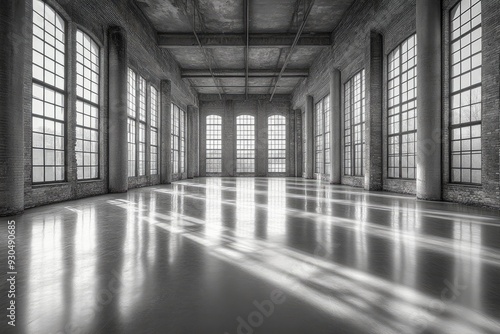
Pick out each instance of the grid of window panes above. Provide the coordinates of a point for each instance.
(48, 104)
(318, 137)
(87, 107)
(326, 118)
(354, 126)
(245, 144)
(466, 114)
(132, 111)
(154, 131)
(322, 135)
(214, 144)
(276, 129)
(182, 149)
(402, 110)
(131, 147)
(141, 149)
(175, 115)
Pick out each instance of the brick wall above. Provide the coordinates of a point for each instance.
(94, 17)
(230, 108)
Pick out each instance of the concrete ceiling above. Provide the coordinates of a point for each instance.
(228, 63)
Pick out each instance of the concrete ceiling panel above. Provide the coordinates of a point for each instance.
(227, 17)
(303, 57)
(263, 58)
(222, 16)
(229, 58)
(189, 60)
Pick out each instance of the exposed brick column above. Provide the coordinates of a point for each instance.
(309, 126)
(373, 132)
(118, 71)
(429, 100)
(298, 143)
(165, 131)
(335, 128)
(191, 138)
(228, 140)
(261, 140)
(12, 61)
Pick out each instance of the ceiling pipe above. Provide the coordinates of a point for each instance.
(297, 37)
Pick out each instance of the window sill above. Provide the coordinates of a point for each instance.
(49, 185)
(89, 181)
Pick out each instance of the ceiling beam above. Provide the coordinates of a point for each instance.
(175, 40)
(193, 74)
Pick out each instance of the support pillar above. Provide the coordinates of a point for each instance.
(12, 62)
(429, 100)
(309, 126)
(373, 122)
(261, 141)
(117, 128)
(165, 145)
(228, 140)
(299, 152)
(335, 128)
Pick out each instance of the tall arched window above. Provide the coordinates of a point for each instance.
(214, 144)
(276, 132)
(354, 125)
(402, 110)
(245, 144)
(175, 134)
(131, 121)
(154, 131)
(49, 89)
(87, 107)
(322, 135)
(465, 92)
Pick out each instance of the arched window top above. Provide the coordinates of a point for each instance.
(49, 45)
(48, 14)
(214, 119)
(87, 42)
(87, 68)
(276, 119)
(245, 119)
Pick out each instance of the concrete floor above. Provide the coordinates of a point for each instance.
(256, 255)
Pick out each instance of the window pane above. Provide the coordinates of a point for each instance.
(87, 107)
(213, 144)
(402, 112)
(465, 97)
(48, 99)
(154, 132)
(354, 128)
(245, 144)
(276, 127)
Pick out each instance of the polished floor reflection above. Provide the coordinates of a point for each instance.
(256, 255)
